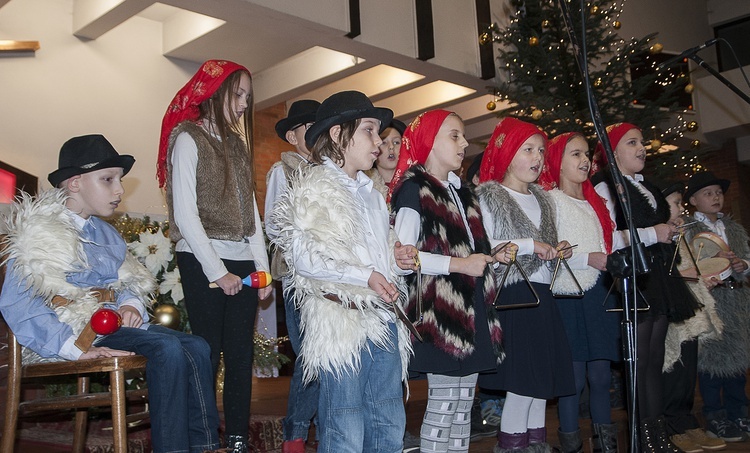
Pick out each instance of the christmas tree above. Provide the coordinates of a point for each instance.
(540, 79)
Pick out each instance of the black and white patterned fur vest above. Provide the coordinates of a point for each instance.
(448, 300)
(511, 222)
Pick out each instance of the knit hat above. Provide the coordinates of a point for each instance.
(509, 134)
(184, 106)
(342, 107)
(85, 154)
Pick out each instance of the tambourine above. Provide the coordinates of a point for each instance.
(715, 267)
(708, 245)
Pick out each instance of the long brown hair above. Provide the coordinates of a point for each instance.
(212, 109)
(325, 146)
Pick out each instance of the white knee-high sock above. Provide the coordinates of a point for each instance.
(515, 417)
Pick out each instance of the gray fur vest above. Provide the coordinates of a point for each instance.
(319, 215)
(223, 184)
(729, 354)
(44, 244)
(511, 222)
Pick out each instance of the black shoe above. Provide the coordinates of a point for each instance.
(479, 427)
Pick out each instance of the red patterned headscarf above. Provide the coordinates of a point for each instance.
(615, 132)
(550, 179)
(507, 138)
(184, 106)
(416, 143)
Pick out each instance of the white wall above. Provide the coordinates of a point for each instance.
(118, 85)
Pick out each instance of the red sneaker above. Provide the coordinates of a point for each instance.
(293, 446)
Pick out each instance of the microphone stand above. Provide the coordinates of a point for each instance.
(702, 63)
(628, 265)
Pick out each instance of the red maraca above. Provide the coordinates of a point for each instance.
(106, 321)
(258, 279)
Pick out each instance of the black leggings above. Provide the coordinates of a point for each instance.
(227, 323)
(652, 332)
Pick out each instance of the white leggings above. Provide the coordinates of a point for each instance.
(447, 420)
(521, 413)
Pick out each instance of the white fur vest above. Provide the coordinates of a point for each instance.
(577, 223)
(320, 215)
(45, 245)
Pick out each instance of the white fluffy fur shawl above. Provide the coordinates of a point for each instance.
(322, 217)
(44, 243)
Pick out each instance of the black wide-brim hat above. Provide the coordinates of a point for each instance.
(400, 126)
(85, 154)
(300, 112)
(342, 107)
(704, 179)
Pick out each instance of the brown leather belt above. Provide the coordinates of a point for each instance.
(397, 310)
(87, 336)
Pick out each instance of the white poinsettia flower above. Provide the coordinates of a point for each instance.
(172, 283)
(154, 249)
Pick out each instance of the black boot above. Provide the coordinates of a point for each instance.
(237, 444)
(570, 442)
(649, 442)
(605, 438)
(665, 444)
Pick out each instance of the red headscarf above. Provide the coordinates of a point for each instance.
(550, 179)
(615, 132)
(184, 106)
(508, 136)
(416, 143)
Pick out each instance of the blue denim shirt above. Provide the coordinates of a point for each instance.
(35, 325)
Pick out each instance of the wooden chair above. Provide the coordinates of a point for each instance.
(116, 397)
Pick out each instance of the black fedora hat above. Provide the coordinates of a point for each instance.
(85, 154)
(342, 107)
(668, 187)
(704, 179)
(400, 126)
(300, 112)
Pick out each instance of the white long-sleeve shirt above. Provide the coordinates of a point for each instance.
(208, 252)
(621, 238)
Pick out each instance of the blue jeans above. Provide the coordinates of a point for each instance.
(364, 411)
(182, 403)
(733, 399)
(303, 399)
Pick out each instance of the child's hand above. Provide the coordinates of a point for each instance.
(404, 255)
(385, 289)
(265, 292)
(739, 266)
(473, 265)
(568, 252)
(544, 251)
(598, 260)
(230, 283)
(710, 283)
(665, 233)
(130, 316)
(95, 352)
(504, 256)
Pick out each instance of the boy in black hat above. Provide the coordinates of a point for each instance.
(722, 363)
(64, 263)
(303, 400)
(335, 234)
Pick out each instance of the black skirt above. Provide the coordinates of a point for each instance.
(538, 362)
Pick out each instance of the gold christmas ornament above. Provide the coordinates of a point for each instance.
(598, 82)
(617, 24)
(491, 106)
(536, 114)
(655, 49)
(695, 144)
(594, 9)
(533, 41)
(484, 38)
(655, 144)
(167, 315)
(546, 23)
(689, 88)
(692, 126)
